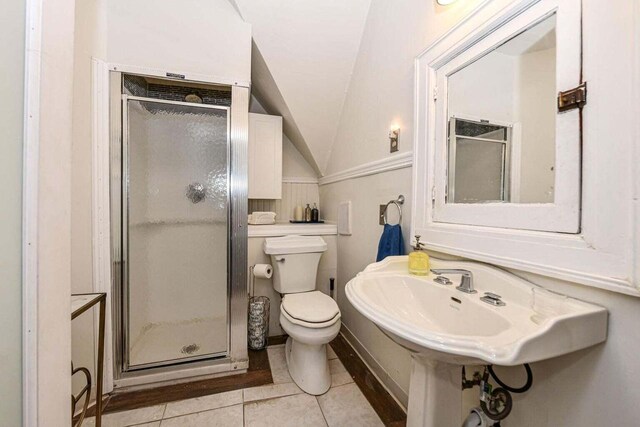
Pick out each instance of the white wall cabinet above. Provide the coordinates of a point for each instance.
(265, 156)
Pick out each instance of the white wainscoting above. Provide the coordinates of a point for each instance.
(294, 193)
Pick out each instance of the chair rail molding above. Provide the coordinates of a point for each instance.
(397, 161)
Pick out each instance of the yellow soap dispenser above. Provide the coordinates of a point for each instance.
(418, 260)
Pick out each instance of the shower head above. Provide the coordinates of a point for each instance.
(192, 97)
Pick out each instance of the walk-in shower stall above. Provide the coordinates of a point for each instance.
(178, 195)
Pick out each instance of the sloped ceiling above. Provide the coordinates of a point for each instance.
(303, 55)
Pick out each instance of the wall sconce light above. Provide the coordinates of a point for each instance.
(394, 134)
(445, 2)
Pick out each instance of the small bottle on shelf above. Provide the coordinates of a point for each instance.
(307, 213)
(315, 214)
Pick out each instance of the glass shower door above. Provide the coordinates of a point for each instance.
(175, 234)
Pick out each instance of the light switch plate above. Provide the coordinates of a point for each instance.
(344, 218)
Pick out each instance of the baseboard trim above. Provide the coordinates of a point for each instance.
(397, 161)
(385, 379)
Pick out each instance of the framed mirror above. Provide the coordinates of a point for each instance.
(501, 174)
(503, 154)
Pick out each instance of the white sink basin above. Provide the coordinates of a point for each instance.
(440, 324)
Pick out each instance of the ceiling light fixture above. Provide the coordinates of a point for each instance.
(445, 2)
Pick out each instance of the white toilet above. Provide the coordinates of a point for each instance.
(310, 317)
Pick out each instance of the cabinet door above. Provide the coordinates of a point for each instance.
(265, 156)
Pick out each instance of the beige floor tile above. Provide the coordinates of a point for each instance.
(278, 364)
(291, 411)
(347, 406)
(203, 403)
(330, 353)
(270, 391)
(336, 366)
(231, 416)
(129, 418)
(341, 378)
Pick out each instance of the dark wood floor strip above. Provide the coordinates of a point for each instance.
(259, 373)
(382, 402)
(278, 339)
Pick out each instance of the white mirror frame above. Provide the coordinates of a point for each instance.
(563, 215)
(603, 253)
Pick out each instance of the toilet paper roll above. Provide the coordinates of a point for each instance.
(263, 271)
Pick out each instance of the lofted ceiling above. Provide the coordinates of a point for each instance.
(303, 56)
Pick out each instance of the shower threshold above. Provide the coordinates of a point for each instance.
(169, 343)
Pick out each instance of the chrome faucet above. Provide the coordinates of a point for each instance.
(466, 280)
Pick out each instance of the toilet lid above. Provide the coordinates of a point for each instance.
(312, 307)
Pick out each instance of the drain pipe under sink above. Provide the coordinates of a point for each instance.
(477, 418)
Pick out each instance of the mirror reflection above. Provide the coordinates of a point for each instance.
(501, 112)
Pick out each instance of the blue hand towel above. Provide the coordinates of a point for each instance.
(391, 242)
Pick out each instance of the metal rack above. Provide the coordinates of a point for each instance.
(80, 303)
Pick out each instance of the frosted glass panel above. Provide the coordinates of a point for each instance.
(479, 171)
(177, 232)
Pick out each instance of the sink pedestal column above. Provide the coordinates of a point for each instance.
(435, 394)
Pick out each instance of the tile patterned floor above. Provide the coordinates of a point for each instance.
(280, 404)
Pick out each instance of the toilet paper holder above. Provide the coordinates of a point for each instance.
(260, 271)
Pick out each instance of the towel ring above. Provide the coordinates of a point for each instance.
(398, 202)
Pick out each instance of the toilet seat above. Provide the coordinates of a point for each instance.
(310, 309)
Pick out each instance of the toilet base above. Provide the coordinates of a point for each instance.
(308, 366)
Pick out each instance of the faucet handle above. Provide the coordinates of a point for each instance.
(466, 282)
(492, 295)
(460, 271)
(493, 299)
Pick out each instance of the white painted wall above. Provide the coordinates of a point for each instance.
(207, 38)
(54, 217)
(536, 113)
(89, 41)
(309, 52)
(486, 89)
(293, 164)
(12, 27)
(593, 387)
(357, 251)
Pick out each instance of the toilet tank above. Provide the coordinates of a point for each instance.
(295, 262)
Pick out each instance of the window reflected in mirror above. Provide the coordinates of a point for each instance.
(502, 122)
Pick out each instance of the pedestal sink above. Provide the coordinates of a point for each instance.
(445, 328)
